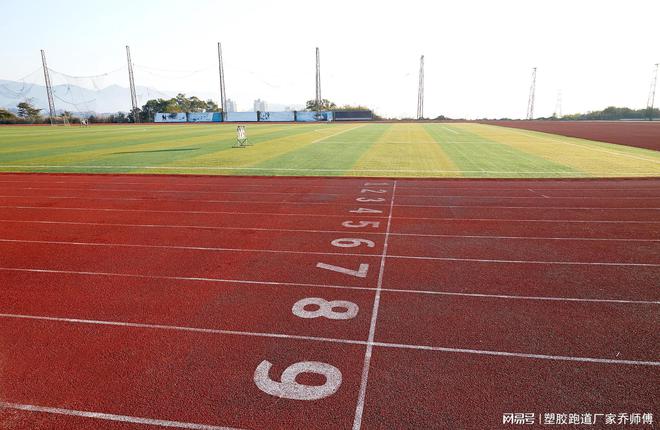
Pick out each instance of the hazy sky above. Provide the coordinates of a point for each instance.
(479, 54)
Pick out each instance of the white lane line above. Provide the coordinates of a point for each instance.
(177, 278)
(112, 417)
(186, 226)
(513, 297)
(282, 169)
(548, 262)
(592, 148)
(332, 204)
(277, 251)
(519, 354)
(226, 181)
(470, 236)
(208, 227)
(307, 192)
(186, 201)
(359, 409)
(341, 287)
(563, 221)
(181, 211)
(329, 340)
(494, 207)
(183, 247)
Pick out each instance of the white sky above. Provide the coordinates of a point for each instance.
(478, 54)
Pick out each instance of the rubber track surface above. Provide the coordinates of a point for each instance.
(152, 301)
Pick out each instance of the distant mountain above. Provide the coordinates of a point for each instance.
(76, 99)
(110, 99)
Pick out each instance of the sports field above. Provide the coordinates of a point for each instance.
(395, 301)
(367, 150)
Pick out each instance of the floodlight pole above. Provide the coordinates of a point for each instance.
(221, 69)
(557, 113)
(131, 82)
(318, 81)
(49, 88)
(532, 95)
(420, 90)
(651, 99)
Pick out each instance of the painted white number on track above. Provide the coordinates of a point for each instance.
(360, 273)
(366, 190)
(288, 388)
(360, 224)
(365, 199)
(366, 211)
(326, 309)
(352, 243)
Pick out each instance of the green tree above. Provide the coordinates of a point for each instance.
(325, 105)
(177, 104)
(6, 116)
(26, 110)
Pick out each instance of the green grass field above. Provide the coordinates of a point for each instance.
(401, 150)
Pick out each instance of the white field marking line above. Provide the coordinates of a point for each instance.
(359, 408)
(341, 287)
(334, 204)
(338, 133)
(183, 212)
(329, 340)
(282, 169)
(469, 196)
(452, 131)
(622, 154)
(182, 247)
(488, 260)
(337, 183)
(203, 227)
(112, 417)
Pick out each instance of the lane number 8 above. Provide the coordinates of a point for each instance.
(326, 309)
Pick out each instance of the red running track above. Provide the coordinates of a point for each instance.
(305, 303)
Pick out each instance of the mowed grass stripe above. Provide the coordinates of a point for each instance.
(332, 151)
(62, 138)
(477, 156)
(263, 147)
(158, 147)
(404, 150)
(338, 149)
(585, 156)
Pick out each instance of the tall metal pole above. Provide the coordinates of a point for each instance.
(532, 95)
(420, 90)
(49, 88)
(651, 99)
(131, 82)
(318, 81)
(223, 101)
(557, 113)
